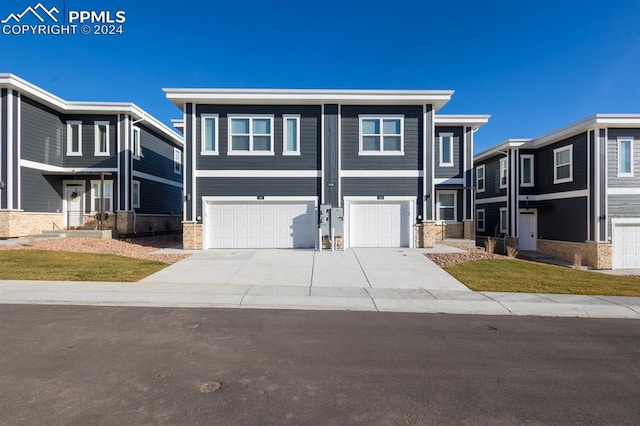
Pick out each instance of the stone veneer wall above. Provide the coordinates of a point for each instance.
(596, 255)
(16, 223)
(191, 235)
(428, 232)
(599, 255)
(146, 223)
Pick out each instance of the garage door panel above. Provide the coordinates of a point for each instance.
(626, 246)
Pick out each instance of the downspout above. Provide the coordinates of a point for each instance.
(506, 154)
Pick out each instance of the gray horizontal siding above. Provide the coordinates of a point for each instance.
(563, 220)
(42, 194)
(350, 139)
(384, 186)
(612, 158)
(88, 159)
(456, 170)
(623, 206)
(544, 166)
(189, 167)
(492, 219)
(43, 134)
(309, 158)
(157, 156)
(491, 178)
(158, 198)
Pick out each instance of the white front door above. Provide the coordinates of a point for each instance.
(73, 196)
(528, 230)
(380, 224)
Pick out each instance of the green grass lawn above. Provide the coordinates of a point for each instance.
(65, 266)
(529, 277)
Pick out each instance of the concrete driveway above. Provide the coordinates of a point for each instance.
(389, 268)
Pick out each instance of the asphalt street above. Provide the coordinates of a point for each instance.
(122, 365)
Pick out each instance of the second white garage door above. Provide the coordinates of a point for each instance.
(626, 245)
(260, 224)
(379, 224)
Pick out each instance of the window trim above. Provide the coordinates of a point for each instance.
(177, 161)
(555, 165)
(484, 220)
(69, 152)
(96, 132)
(380, 117)
(505, 229)
(504, 161)
(93, 195)
(629, 139)
(135, 205)
(523, 184)
(455, 206)
(440, 135)
(136, 150)
(484, 178)
(250, 117)
(215, 119)
(285, 133)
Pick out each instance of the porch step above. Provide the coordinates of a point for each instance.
(457, 242)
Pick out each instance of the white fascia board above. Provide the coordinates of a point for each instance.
(501, 147)
(471, 120)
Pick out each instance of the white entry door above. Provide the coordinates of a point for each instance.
(73, 195)
(379, 224)
(626, 245)
(528, 230)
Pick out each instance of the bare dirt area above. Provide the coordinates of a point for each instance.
(139, 248)
(445, 260)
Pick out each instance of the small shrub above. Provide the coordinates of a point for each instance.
(490, 245)
(577, 260)
(512, 252)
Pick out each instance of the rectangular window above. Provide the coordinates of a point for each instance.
(291, 138)
(74, 138)
(625, 157)
(480, 179)
(504, 220)
(209, 134)
(563, 164)
(251, 135)
(136, 143)
(96, 199)
(381, 135)
(447, 206)
(480, 220)
(446, 149)
(135, 194)
(504, 172)
(101, 138)
(177, 161)
(526, 170)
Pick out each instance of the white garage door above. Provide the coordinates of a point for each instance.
(381, 224)
(261, 224)
(626, 245)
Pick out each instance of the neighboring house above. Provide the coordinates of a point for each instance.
(55, 154)
(572, 191)
(262, 164)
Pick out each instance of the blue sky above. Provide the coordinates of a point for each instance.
(534, 66)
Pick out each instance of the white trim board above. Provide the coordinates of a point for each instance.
(153, 178)
(502, 199)
(243, 198)
(382, 173)
(623, 191)
(50, 168)
(258, 173)
(448, 181)
(555, 195)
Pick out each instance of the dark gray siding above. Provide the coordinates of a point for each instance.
(255, 187)
(3, 146)
(157, 156)
(491, 178)
(592, 186)
(40, 193)
(159, 198)
(188, 166)
(361, 186)
(456, 170)
(612, 156)
(88, 159)
(602, 184)
(309, 158)
(331, 155)
(563, 220)
(350, 139)
(467, 172)
(429, 162)
(43, 134)
(492, 219)
(124, 159)
(623, 206)
(544, 166)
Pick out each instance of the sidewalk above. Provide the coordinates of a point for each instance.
(157, 294)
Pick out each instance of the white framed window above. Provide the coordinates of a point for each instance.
(446, 149)
(96, 198)
(504, 220)
(74, 138)
(209, 134)
(291, 135)
(135, 194)
(526, 170)
(251, 135)
(177, 161)
(480, 224)
(504, 172)
(101, 138)
(381, 135)
(136, 142)
(447, 203)
(480, 179)
(563, 164)
(625, 157)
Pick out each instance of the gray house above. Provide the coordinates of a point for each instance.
(63, 163)
(574, 190)
(264, 167)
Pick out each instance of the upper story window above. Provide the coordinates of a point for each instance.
(251, 135)
(526, 170)
(291, 136)
(136, 142)
(135, 194)
(177, 161)
(625, 157)
(447, 206)
(96, 197)
(381, 135)
(480, 222)
(446, 149)
(209, 134)
(563, 164)
(101, 138)
(74, 138)
(504, 172)
(480, 179)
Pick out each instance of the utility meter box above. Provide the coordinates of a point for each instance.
(337, 221)
(324, 220)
